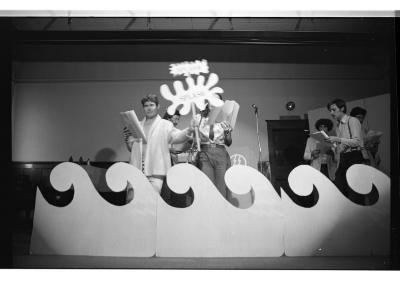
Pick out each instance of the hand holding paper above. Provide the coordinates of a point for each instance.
(372, 137)
(324, 147)
(130, 120)
(315, 154)
(320, 136)
(226, 126)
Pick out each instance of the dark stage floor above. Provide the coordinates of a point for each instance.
(282, 263)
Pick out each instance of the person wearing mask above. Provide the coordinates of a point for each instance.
(178, 154)
(178, 151)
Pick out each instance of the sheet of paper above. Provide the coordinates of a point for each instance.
(129, 119)
(319, 136)
(212, 116)
(234, 115)
(228, 112)
(372, 137)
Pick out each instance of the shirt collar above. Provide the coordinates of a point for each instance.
(344, 119)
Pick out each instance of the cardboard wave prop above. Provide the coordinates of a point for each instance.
(91, 226)
(211, 226)
(336, 226)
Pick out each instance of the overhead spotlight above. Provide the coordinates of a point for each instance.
(290, 106)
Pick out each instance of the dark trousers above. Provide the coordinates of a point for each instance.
(324, 170)
(214, 162)
(346, 161)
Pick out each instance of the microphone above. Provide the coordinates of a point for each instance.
(255, 108)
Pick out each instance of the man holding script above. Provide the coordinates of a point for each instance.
(149, 142)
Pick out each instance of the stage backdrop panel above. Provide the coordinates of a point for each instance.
(91, 226)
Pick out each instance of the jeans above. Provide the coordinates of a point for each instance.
(214, 162)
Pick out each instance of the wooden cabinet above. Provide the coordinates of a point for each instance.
(286, 142)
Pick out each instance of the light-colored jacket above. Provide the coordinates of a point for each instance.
(157, 160)
(312, 145)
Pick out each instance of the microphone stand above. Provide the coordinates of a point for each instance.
(259, 166)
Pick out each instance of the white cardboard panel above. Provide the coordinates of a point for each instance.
(211, 226)
(377, 215)
(335, 226)
(90, 225)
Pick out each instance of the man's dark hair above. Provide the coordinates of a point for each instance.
(358, 111)
(324, 121)
(339, 103)
(150, 98)
(167, 116)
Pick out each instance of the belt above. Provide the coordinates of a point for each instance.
(206, 146)
(161, 177)
(351, 150)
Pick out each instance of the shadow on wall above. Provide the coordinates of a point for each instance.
(105, 155)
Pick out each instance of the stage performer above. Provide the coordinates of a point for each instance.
(178, 151)
(348, 142)
(178, 154)
(213, 159)
(320, 155)
(153, 158)
(370, 150)
(174, 118)
(360, 114)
